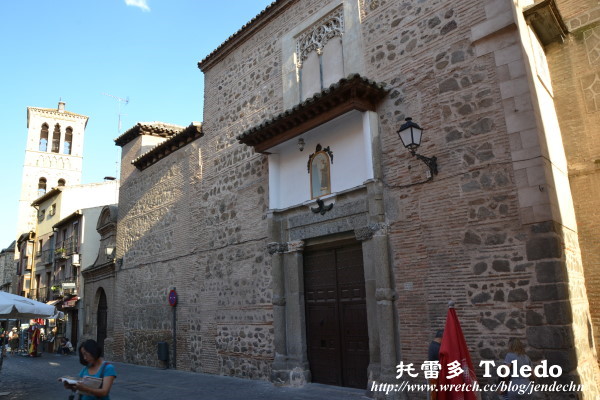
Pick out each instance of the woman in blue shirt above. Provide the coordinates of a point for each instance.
(90, 355)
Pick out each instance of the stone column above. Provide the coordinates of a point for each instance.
(380, 303)
(290, 366)
(279, 373)
(299, 369)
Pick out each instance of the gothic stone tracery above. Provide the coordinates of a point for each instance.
(316, 37)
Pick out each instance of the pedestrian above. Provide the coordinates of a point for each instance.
(433, 354)
(90, 355)
(516, 353)
(65, 346)
(13, 340)
(35, 333)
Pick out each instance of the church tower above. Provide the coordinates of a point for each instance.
(53, 157)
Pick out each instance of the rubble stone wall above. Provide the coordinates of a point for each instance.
(484, 233)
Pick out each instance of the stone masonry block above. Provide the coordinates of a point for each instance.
(543, 247)
(550, 337)
(559, 291)
(534, 318)
(551, 271)
(558, 313)
(492, 25)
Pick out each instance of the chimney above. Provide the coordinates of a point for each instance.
(61, 106)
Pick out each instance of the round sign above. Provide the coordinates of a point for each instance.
(173, 298)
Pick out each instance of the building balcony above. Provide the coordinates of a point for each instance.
(69, 246)
(41, 294)
(60, 253)
(47, 256)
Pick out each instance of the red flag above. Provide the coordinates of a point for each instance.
(457, 368)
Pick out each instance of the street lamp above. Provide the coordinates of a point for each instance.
(410, 134)
(109, 251)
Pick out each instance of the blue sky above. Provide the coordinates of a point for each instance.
(143, 50)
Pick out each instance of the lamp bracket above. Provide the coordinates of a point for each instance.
(430, 162)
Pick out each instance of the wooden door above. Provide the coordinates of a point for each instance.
(336, 315)
(74, 328)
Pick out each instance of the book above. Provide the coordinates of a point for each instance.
(90, 381)
(69, 380)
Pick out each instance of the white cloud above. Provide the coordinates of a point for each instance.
(143, 4)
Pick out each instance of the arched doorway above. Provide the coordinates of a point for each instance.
(102, 318)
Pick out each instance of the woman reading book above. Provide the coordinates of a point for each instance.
(97, 376)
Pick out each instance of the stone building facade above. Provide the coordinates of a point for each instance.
(8, 267)
(99, 282)
(269, 277)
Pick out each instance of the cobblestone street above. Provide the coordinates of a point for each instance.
(36, 379)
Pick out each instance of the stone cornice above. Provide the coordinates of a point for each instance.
(244, 33)
(174, 143)
(351, 93)
(99, 272)
(56, 112)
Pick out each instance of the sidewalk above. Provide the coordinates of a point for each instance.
(35, 379)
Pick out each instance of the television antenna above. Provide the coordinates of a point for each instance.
(120, 102)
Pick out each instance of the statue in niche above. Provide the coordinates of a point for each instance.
(320, 172)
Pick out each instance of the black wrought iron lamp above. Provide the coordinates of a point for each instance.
(410, 133)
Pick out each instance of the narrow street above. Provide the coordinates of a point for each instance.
(36, 379)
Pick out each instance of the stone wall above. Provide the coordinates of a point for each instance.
(154, 251)
(487, 232)
(575, 67)
(490, 218)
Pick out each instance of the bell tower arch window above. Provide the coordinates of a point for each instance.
(56, 138)
(68, 140)
(43, 145)
(42, 186)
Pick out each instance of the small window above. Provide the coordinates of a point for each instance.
(320, 175)
(52, 210)
(41, 215)
(42, 187)
(68, 140)
(56, 138)
(44, 138)
(61, 182)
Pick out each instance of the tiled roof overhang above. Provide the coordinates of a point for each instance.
(244, 33)
(68, 218)
(51, 193)
(351, 93)
(174, 143)
(147, 128)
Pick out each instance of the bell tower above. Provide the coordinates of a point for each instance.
(53, 156)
